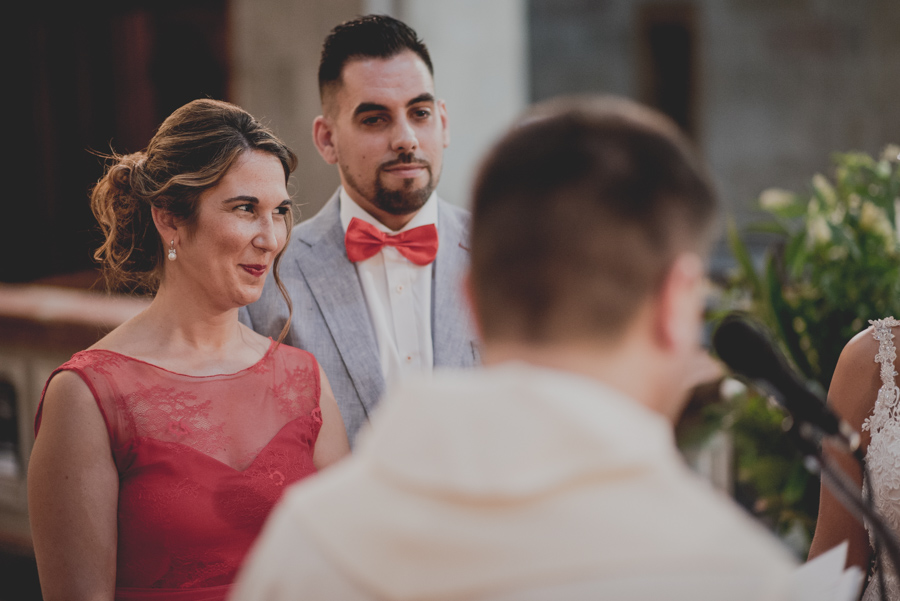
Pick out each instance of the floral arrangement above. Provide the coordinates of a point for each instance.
(837, 262)
(834, 265)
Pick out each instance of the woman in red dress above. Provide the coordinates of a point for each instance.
(161, 449)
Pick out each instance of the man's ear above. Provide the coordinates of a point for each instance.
(445, 123)
(323, 138)
(679, 310)
(166, 225)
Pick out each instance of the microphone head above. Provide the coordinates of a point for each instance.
(749, 351)
(746, 348)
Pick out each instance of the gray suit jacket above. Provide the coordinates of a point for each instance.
(331, 319)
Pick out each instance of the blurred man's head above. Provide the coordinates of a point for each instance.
(381, 123)
(585, 214)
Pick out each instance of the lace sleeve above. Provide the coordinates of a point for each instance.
(886, 409)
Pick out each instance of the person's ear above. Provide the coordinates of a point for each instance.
(166, 224)
(679, 310)
(445, 124)
(323, 138)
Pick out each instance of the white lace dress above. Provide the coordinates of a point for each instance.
(883, 454)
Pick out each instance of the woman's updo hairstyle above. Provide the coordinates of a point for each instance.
(191, 152)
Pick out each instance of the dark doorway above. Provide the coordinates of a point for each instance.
(667, 60)
(89, 76)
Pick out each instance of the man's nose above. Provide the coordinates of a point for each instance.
(404, 136)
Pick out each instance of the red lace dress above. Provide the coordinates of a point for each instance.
(201, 461)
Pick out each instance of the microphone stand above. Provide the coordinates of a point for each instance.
(809, 438)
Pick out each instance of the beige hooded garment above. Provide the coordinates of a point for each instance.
(512, 483)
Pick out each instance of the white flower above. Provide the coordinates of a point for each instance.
(731, 388)
(824, 188)
(774, 199)
(837, 253)
(875, 219)
(837, 214)
(891, 152)
(817, 230)
(813, 208)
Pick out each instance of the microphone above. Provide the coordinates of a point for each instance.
(748, 350)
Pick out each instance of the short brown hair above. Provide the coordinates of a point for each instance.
(370, 36)
(578, 213)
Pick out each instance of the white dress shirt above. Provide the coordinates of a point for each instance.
(398, 296)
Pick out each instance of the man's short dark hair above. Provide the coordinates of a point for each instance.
(578, 214)
(371, 36)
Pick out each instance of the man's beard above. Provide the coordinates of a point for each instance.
(407, 199)
(403, 201)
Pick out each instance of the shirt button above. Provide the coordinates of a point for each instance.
(400, 288)
(409, 359)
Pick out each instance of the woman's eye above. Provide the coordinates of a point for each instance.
(282, 210)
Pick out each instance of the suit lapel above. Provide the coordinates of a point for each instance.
(333, 281)
(450, 318)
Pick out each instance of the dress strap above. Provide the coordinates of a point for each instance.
(887, 353)
(886, 405)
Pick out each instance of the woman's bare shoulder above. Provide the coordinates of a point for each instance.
(68, 392)
(861, 350)
(857, 378)
(66, 382)
(69, 404)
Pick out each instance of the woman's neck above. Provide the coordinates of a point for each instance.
(185, 319)
(183, 334)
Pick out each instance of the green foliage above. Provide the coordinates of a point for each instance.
(835, 265)
(770, 478)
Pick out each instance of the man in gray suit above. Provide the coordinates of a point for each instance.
(375, 276)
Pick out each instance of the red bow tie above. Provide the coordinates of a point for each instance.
(363, 240)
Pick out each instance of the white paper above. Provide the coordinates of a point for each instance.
(825, 579)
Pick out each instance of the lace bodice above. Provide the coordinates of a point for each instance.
(883, 453)
(201, 460)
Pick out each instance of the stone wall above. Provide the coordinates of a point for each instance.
(781, 84)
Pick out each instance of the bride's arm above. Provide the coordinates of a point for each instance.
(73, 490)
(852, 395)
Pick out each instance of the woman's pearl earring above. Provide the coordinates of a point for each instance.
(172, 254)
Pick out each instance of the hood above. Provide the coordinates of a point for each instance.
(509, 432)
(481, 480)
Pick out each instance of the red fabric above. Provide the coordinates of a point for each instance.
(201, 461)
(419, 245)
